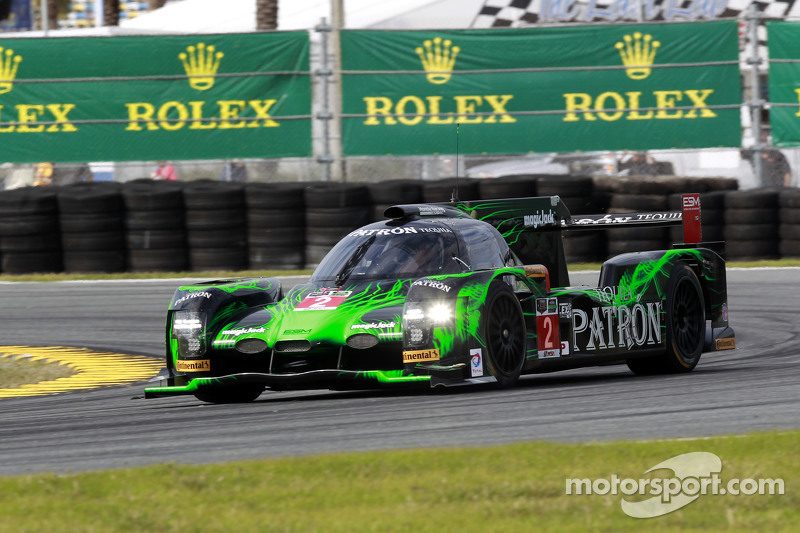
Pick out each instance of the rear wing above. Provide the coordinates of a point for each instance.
(532, 226)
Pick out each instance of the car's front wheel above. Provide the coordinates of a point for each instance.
(504, 329)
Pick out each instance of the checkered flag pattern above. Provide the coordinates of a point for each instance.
(505, 13)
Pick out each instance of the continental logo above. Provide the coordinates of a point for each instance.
(9, 64)
(418, 356)
(638, 53)
(201, 63)
(197, 365)
(438, 57)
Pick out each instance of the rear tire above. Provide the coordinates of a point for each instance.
(685, 327)
(230, 394)
(504, 330)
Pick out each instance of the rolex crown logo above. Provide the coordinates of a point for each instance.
(438, 58)
(637, 53)
(201, 63)
(9, 63)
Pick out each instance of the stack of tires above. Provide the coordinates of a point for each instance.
(511, 186)
(751, 224)
(216, 228)
(92, 219)
(333, 211)
(275, 225)
(154, 231)
(29, 231)
(577, 193)
(637, 194)
(790, 223)
(443, 190)
(393, 192)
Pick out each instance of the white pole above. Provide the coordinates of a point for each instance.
(99, 8)
(45, 17)
(337, 21)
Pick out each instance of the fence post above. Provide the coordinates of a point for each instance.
(756, 104)
(324, 74)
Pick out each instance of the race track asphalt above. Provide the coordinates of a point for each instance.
(756, 387)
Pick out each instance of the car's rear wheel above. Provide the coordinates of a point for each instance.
(230, 394)
(685, 332)
(504, 329)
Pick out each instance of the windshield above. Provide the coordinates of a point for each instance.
(374, 254)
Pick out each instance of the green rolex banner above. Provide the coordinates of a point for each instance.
(784, 82)
(592, 87)
(155, 97)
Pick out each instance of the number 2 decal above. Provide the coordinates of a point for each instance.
(548, 339)
(322, 300)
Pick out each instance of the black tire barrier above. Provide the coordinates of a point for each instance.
(269, 196)
(750, 232)
(277, 257)
(789, 199)
(638, 202)
(154, 220)
(94, 261)
(276, 218)
(216, 227)
(347, 207)
(30, 238)
(173, 259)
(570, 186)
(92, 235)
(642, 245)
(751, 216)
(789, 215)
(155, 239)
(789, 248)
(442, 190)
(752, 249)
(204, 195)
(512, 186)
(752, 199)
(26, 263)
(275, 225)
(584, 246)
(789, 232)
(218, 258)
(337, 195)
(395, 192)
(151, 195)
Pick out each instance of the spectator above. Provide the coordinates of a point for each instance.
(235, 171)
(639, 164)
(775, 169)
(165, 171)
(43, 174)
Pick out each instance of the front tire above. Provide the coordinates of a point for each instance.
(230, 394)
(504, 329)
(685, 327)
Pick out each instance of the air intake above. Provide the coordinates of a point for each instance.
(292, 346)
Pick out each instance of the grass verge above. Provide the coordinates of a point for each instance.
(516, 487)
(18, 371)
(220, 274)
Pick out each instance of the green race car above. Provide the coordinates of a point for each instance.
(443, 295)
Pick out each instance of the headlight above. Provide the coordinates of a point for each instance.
(188, 327)
(419, 317)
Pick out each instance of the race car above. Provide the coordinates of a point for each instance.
(446, 295)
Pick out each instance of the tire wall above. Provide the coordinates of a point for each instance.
(147, 225)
